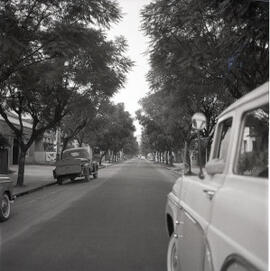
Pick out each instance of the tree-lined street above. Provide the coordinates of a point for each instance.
(113, 223)
(127, 96)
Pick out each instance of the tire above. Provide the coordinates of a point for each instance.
(86, 175)
(172, 259)
(95, 175)
(5, 207)
(59, 180)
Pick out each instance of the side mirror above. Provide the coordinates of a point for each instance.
(198, 121)
(215, 166)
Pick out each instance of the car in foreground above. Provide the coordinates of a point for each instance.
(75, 163)
(220, 222)
(6, 197)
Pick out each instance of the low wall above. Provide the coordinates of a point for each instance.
(44, 157)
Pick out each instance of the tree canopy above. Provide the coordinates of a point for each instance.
(50, 52)
(203, 55)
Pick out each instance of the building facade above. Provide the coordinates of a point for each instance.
(42, 150)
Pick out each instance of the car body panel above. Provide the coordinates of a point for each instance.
(6, 185)
(68, 166)
(246, 235)
(224, 215)
(73, 166)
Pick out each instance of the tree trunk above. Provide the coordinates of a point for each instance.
(170, 158)
(65, 143)
(101, 157)
(21, 164)
(110, 156)
(154, 156)
(167, 157)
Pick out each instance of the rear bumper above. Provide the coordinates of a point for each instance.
(77, 172)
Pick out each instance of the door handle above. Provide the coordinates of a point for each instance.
(210, 193)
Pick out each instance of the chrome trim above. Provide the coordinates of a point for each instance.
(7, 181)
(190, 218)
(210, 193)
(174, 199)
(236, 258)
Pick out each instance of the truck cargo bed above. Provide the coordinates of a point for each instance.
(67, 167)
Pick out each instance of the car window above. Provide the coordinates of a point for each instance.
(224, 132)
(76, 154)
(253, 157)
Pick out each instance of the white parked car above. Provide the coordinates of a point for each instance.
(220, 223)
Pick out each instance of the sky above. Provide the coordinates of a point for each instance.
(136, 86)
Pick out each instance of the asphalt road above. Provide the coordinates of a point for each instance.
(113, 223)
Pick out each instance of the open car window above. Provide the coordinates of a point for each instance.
(253, 154)
(223, 139)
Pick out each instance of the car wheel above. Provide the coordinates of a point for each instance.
(86, 175)
(59, 180)
(5, 207)
(95, 175)
(172, 258)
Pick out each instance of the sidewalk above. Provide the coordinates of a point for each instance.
(179, 167)
(36, 177)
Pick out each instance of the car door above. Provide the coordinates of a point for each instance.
(196, 199)
(239, 223)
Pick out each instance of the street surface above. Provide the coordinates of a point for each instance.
(113, 223)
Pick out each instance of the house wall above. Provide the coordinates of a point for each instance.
(36, 154)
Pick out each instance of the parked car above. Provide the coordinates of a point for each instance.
(75, 163)
(6, 196)
(221, 222)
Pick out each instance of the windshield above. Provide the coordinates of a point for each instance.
(81, 153)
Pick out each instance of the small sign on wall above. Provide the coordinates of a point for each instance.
(50, 156)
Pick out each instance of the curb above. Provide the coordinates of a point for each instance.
(33, 189)
(171, 169)
(174, 171)
(19, 194)
(177, 173)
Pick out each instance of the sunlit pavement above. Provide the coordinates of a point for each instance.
(113, 223)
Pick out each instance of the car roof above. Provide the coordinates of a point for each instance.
(256, 93)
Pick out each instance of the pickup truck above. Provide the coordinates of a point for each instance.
(6, 197)
(75, 163)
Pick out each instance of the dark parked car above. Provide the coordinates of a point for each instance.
(75, 163)
(6, 197)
